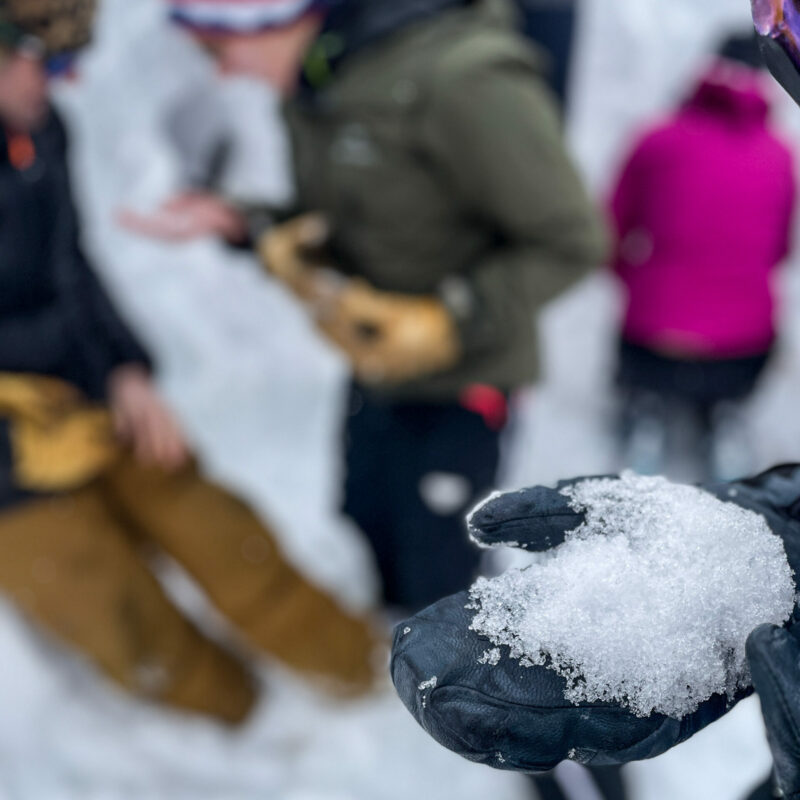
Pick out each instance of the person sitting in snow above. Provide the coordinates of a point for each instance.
(95, 472)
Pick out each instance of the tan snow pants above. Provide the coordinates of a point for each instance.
(75, 564)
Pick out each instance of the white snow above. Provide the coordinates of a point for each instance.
(67, 736)
(649, 602)
(429, 684)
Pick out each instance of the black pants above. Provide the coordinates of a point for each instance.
(413, 471)
(673, 409)
(703, 382)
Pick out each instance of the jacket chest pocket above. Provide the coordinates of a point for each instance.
(379, 176)
(392, 211)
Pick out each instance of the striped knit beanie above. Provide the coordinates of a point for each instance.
(241, 16)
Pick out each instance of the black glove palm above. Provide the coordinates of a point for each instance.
(515, 717)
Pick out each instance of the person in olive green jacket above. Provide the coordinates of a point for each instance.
(446, 213)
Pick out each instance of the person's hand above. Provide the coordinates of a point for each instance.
(390, 338)
(188, 216)
(517, 718)
(774, 657)
(143, 421)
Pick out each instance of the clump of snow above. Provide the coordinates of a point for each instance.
(491, 657)
(425, 686)
(649, 602)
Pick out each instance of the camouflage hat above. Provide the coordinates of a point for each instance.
(62, 26)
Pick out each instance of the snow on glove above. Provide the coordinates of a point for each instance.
(390, 337)
(513, 717)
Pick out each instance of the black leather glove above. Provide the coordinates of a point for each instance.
(774, 656)
(515, 717)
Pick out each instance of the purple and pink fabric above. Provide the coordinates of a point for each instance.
(239, 16)
(780, 20)
(703, 212)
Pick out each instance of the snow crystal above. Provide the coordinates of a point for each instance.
(424, 686)
(429, 684)
(490, 657)
(649, 602)
(406, 631)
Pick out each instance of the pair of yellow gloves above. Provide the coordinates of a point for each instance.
(389, 338)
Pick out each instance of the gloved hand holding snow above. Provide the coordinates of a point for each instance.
(627, 635)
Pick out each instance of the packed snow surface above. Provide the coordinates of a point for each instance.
(649, 602)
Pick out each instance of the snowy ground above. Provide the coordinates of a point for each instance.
(261, 396)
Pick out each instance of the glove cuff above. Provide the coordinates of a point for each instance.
(782, 486)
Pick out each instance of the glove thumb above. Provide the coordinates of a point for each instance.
(535, 519)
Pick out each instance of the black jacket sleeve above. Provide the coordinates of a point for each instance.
(102, 324)
(64, 324)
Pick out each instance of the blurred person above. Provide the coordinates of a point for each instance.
(446, 212)
(703, 212)
(95, 472)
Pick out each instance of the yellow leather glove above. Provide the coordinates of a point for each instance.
(58, 440)
(35, 397)
(295, 254)
(64, 455)
(388, 337)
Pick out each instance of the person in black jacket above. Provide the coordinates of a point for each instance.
(55, 319)
(92, 462)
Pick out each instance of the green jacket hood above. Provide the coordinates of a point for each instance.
(354, 25)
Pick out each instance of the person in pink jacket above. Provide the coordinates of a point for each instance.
(703, 213)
